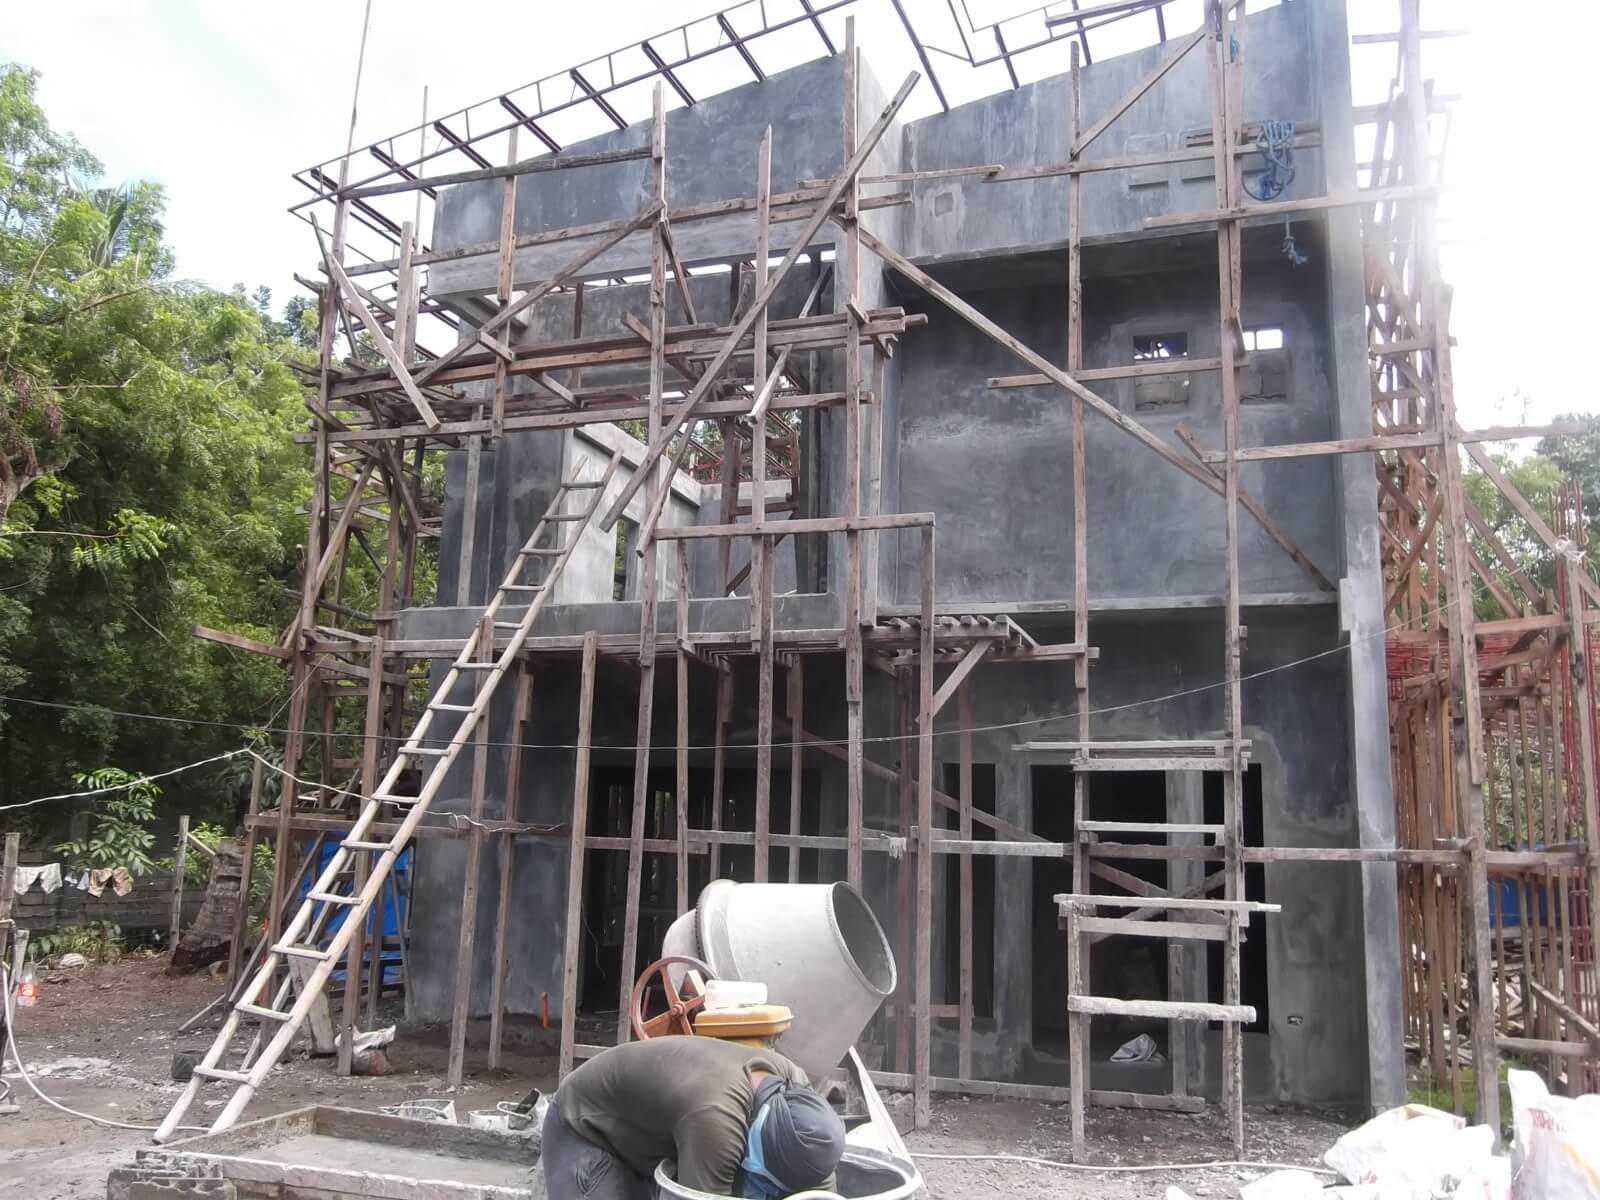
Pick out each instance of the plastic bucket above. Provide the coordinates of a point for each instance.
(817, 947)
(863, 1174)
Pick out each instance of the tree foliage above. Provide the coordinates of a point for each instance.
(149, 480)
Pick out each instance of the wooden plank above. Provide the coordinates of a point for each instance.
(1140, 370)
(319, 1018)
(756, 529)
(954, 680)
(762, 583)
(461, 1012)
(1045, 1093)
(1153, 763)
(1278, 208)
(1188, 1010)
(175, 920)
(794, 701)
(647, 584)
(681, 714)
(1090, 901)
(964, 828)
(239, 642)
(923, 1103)
(507, 852)
(1164, 930)
(573, 928)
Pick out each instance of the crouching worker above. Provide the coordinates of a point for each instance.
(739, 1122)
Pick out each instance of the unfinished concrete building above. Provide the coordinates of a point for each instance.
(978, 507)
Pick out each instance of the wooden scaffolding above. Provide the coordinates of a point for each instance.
(1493, 718)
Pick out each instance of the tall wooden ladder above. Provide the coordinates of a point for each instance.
(335, 889)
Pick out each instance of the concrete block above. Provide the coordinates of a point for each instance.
(168, 1183)
(902, 1108)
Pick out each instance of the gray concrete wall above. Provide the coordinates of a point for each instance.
(995, 468)
(995, 465)
(1297, 720)
(969, 218)
(711, 155)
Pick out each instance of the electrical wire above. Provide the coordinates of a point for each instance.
(22, 1070)
(1027, 723)
(118, 787)
(1140, 1167)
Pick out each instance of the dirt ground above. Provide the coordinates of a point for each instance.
(118, 1022)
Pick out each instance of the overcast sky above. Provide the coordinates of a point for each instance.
(220, 102)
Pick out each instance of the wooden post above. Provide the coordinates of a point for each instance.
(964, 717)
(924, 933)
(794, 706)
(1224, 68)
(761, 584)
(461, 1015)
(681, 781)
(854, 684)
(507, 848)
(647, 574)
(175, 923)
(719, 764)
(573, 929)
(1077, 976)
(508, 229)
(241, 924)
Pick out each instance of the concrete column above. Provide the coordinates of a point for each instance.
(1361, 588)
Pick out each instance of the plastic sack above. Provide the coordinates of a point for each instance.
(1283, 1185)
(1555, 1151)
(1415, 1151)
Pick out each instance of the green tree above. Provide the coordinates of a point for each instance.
(149, 481)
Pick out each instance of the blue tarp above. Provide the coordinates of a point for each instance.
(392, 910)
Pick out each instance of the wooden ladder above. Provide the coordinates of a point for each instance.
(1186, 919)
(334, 890)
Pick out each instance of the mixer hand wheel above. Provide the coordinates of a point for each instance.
(681, 1003)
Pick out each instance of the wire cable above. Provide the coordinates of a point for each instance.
(1027, 723)
(118, 787)
(1140, 1167)
(22, 1070)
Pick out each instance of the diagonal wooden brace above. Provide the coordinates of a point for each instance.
(1044, 366)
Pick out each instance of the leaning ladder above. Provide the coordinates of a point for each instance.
(334, 888)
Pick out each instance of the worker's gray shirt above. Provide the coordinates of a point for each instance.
(686, 1098)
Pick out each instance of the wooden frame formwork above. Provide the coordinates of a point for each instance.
(1492, 712)
(374, 427)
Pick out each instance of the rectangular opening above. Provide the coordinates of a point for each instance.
(983, 790)
(1253, 955)
(1160, 393)
(1125, 967)
(1151, 347)
(1266, 378)
(1052, 818)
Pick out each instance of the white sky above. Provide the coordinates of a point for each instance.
(220, 102)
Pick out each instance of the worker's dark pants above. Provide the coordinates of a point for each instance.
(577, 1169)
